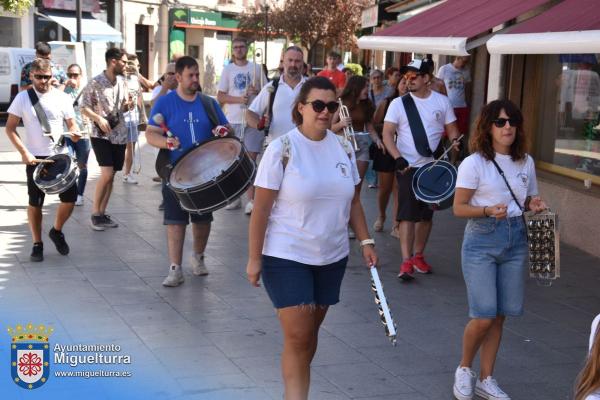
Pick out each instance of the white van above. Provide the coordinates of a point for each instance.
(12, 60)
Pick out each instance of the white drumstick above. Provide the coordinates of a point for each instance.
(384, 309)
(458, 139)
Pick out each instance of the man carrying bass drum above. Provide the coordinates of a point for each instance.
(183, 113)
(433, 113)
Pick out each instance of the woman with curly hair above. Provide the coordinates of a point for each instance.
(495, 185)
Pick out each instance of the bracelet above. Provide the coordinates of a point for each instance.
(484, 213)
(367, 242)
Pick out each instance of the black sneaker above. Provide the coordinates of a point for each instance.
(37, 252)
(59, 241)
(97, 223)
(107, 222)
(161, 206)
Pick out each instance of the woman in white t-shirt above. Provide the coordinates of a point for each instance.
(588, 381)
(494, 250)
(305, 196)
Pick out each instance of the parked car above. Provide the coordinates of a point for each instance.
(12, 60)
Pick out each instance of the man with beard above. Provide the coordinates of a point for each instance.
(436, 114)
(239, 84)
(184, 113)
(276, 113)
(34, 143)
(104, 101)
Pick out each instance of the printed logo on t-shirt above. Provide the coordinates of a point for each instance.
(523, 178)
(437, 114)
(240, 81)
(344, 169)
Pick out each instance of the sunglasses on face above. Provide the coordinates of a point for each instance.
(72, 75)
(40, 77)
(319, 105)
(501, 122)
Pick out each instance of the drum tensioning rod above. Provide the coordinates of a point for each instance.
(445, 152)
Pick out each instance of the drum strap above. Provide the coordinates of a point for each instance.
(416, 126)
(39, 111)
(275, 84)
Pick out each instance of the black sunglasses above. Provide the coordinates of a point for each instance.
(319, 105)
(40, 77)
(72, 75)
(500, 122)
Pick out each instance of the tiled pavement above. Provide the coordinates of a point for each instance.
(216, 337)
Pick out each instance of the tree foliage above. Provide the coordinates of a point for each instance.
(332, 23)
(18, 7)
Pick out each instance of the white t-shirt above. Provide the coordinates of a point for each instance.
(282, 106)
(455, 80)
(234, 81)
(435, 112)
(475, 172)
(156, 91)
(309, 220)
(57, 105)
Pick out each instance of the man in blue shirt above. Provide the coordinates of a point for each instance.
(183, 113)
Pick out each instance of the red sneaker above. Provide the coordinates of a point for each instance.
(420, 264)
(406, 270)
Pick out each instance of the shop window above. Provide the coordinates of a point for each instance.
(569, 127)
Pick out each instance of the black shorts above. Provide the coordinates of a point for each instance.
(409, 208)
(109, 154)
(36, 196)
(175, 215)
(381, 162)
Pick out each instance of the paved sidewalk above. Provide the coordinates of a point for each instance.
(216, 337)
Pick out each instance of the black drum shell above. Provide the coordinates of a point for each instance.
(56, 177)
(435, 184)
(223, 189)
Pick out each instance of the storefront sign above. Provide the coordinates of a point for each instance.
(205, 18)
(70, 5)
(369, 17)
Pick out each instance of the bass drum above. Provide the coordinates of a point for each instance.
(57, 176)
(212, 174)
(435, 184)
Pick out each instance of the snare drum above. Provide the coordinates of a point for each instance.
(435, 184)
(211, 175)
(58, 176)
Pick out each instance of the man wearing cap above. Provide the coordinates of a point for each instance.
(412, 150)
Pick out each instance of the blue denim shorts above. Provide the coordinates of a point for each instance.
(175, 215)
(494, 257)
(290, 283)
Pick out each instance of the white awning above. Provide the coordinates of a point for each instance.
(545, 43)
(436, 45)
(92, 29)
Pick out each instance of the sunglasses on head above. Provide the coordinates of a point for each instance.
(500, 122)
(319, 105)
(41, 77)
(72, 75)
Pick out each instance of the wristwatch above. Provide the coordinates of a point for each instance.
(366, 242)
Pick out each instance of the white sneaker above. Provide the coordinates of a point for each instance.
(198, 266)
(79, 201)
(175, 277)
(249, 206)
(463, 383)
(235, 205)
(129, 179)
(489, 389)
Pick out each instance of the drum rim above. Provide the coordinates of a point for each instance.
(197, 145)
(444, 197)
(50, 187)
(221, 177)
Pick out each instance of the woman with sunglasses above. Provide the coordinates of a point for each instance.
(305, 196)
(494, 249)
(80, 149)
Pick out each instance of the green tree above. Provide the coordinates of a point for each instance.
(18, 7)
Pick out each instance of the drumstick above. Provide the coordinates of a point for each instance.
(160, 120)
(384, 310)
(42, 161)
(445, 152)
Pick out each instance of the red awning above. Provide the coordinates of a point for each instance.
(572, 26)
(446, 28)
